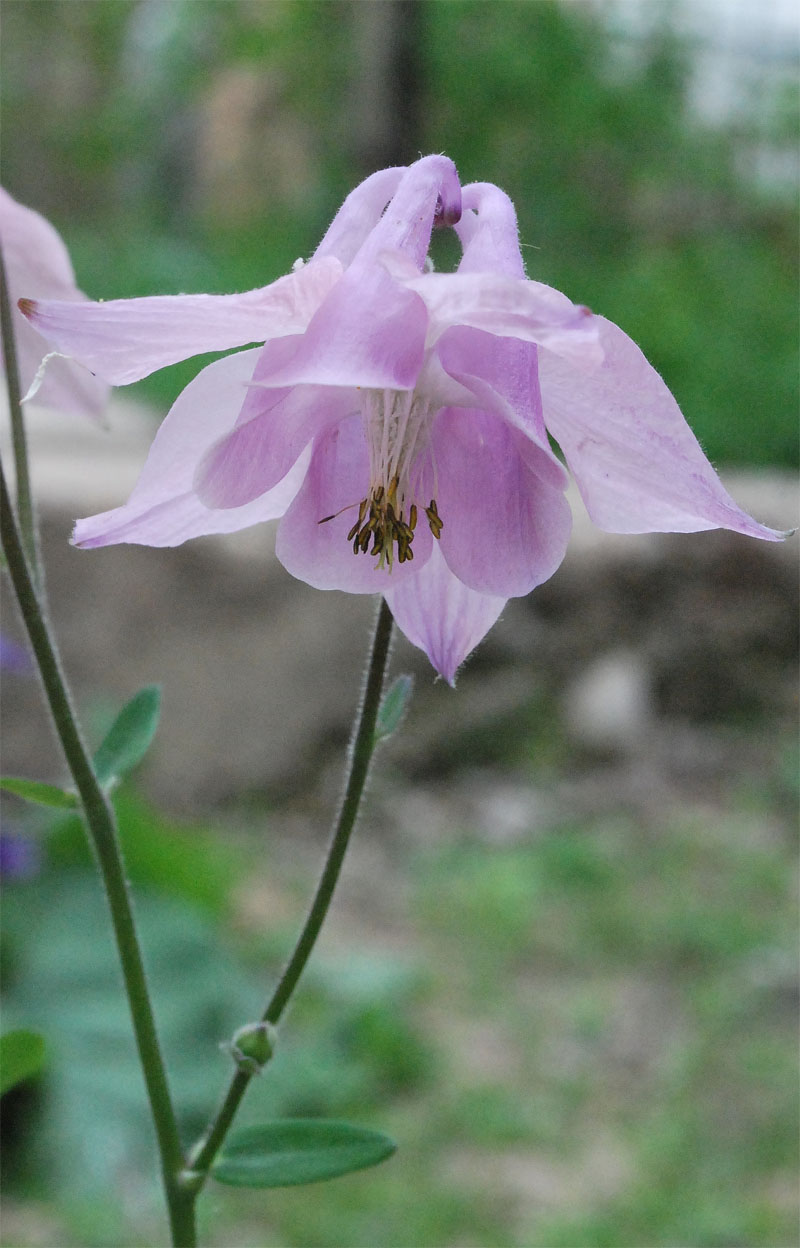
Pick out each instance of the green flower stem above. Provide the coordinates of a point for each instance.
(362, 749)
(25, 511)
(102, 829)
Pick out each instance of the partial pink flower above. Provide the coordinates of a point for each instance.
(38, 265)
(396, 419)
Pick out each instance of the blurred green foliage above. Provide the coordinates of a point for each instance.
(585, 1041)
(204, 145)
(353, 1046)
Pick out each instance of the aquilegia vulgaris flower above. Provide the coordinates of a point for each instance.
(397, 419)
(38, 264)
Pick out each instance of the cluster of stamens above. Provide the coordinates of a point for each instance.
(382, 525)
(397, 425)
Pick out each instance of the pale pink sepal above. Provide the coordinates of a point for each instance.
(507, 307)
(163, 509)
(442, 616)
(369, 332)
(260, 451)
(124, 340)
(38, 264)
(638, 466)
(509, 525)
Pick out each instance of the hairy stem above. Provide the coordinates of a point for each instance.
(25, 511)
(361, 751)
(100, 821)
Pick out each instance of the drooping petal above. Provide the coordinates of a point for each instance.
(502, 374)
(637, 464)
(507, 306)
(441, 615)
(124, 340)
(163, 509)
(370, 332)
(259, 452)
(359, 213)
(505, 528)
(319, 553)
(37, 263)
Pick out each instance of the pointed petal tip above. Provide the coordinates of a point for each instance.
(86, 542)
(27, 306)
(448, 666)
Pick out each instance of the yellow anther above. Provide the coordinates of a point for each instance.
(434, 519)
(382, 523)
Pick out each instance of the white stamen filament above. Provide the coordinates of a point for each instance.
(398, 426)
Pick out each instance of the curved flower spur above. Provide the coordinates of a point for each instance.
(396, 419)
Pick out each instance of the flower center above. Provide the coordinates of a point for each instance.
(397, 424)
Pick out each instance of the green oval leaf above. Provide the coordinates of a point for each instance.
(35, 791)
(21, 1055)
(129, 737)
(393, 707)
(298, 1150)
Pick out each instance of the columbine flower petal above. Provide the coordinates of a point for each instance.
(124, 340)
(507, 307)
(37, 263)
(261, 450)
(501, 376)
(518, 537)
(164, 509)
(637, 464)
(442, 616)
(369, 332)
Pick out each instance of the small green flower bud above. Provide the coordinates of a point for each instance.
(252, 1046)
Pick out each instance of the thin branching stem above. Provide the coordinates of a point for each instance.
(361, 751)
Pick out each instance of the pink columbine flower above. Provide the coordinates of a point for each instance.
(397, 419)
(38, 264)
